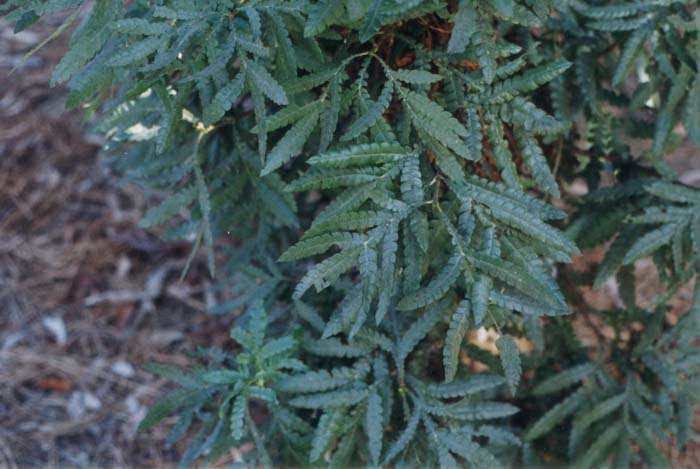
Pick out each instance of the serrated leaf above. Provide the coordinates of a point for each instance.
(361, 155)
(510, 360)
(515, 277)
(434, 120)
(453, 339)
(136, 52)
(373, 20)
(326, 430)
(474, 136)
(288, 115)
(389, 248)
(88, 39)
(615, 256)
(333, 347)
(166, 406)
(222, 376)
(445, 458)
(620, 24)
(526, 82)
(674, 192)
(320, 244)
(467, 409)
(496, 195)
(437, 287)
(139, 26)
(666, 117)
(291, 144)
(475, 384)
(486, 52)
(285, 45)
(204, 200)
(322, 380)
(276, 347)
(366, 178)
(404, 438)
(342, 398)
(237, 417)
(415, 77)
(325, 273)
(597, 451)
(601, 410)
(223, 100)
(646, 416)
(310, 81)
(373, 423)
(263, 394)
(464, 25)
(329, 117)
(564, 379)
(347, 200)
(352, 220)
(555, 415)
(169, 207)
(537, 163)
(613, 11)
(174, 374)
(660, 365)
(504, 8)
(631, 48)
(480, 294)
(322, 14)
(420, 328)
(266, 83)
(501, 152)
(692, 111)
(472, 452)
(651, 452)
(445, 159)
(533, 119)
(90, 80)
(373, 113)
(260, 111)
(650, 242)
(251, 45)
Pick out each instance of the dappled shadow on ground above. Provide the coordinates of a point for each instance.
(86, 297)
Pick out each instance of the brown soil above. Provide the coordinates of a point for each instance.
(73, 261)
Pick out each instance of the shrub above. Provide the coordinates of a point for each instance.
(387, 174)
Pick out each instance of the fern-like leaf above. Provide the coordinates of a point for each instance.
(510, 359)
(453, 339)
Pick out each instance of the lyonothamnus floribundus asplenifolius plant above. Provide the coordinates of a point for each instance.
(374, 179)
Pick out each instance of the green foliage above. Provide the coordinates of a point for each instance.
(510, 359)
(390, 179)
(219, 396)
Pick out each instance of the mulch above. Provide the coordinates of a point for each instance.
(86, 296)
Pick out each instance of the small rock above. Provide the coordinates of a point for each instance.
(137, 412)
(92, 402)
(57, 328)
(11, 340)
(123, 267)
(134, 407)
(166, 337)
(123, 369)
(81, 402)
